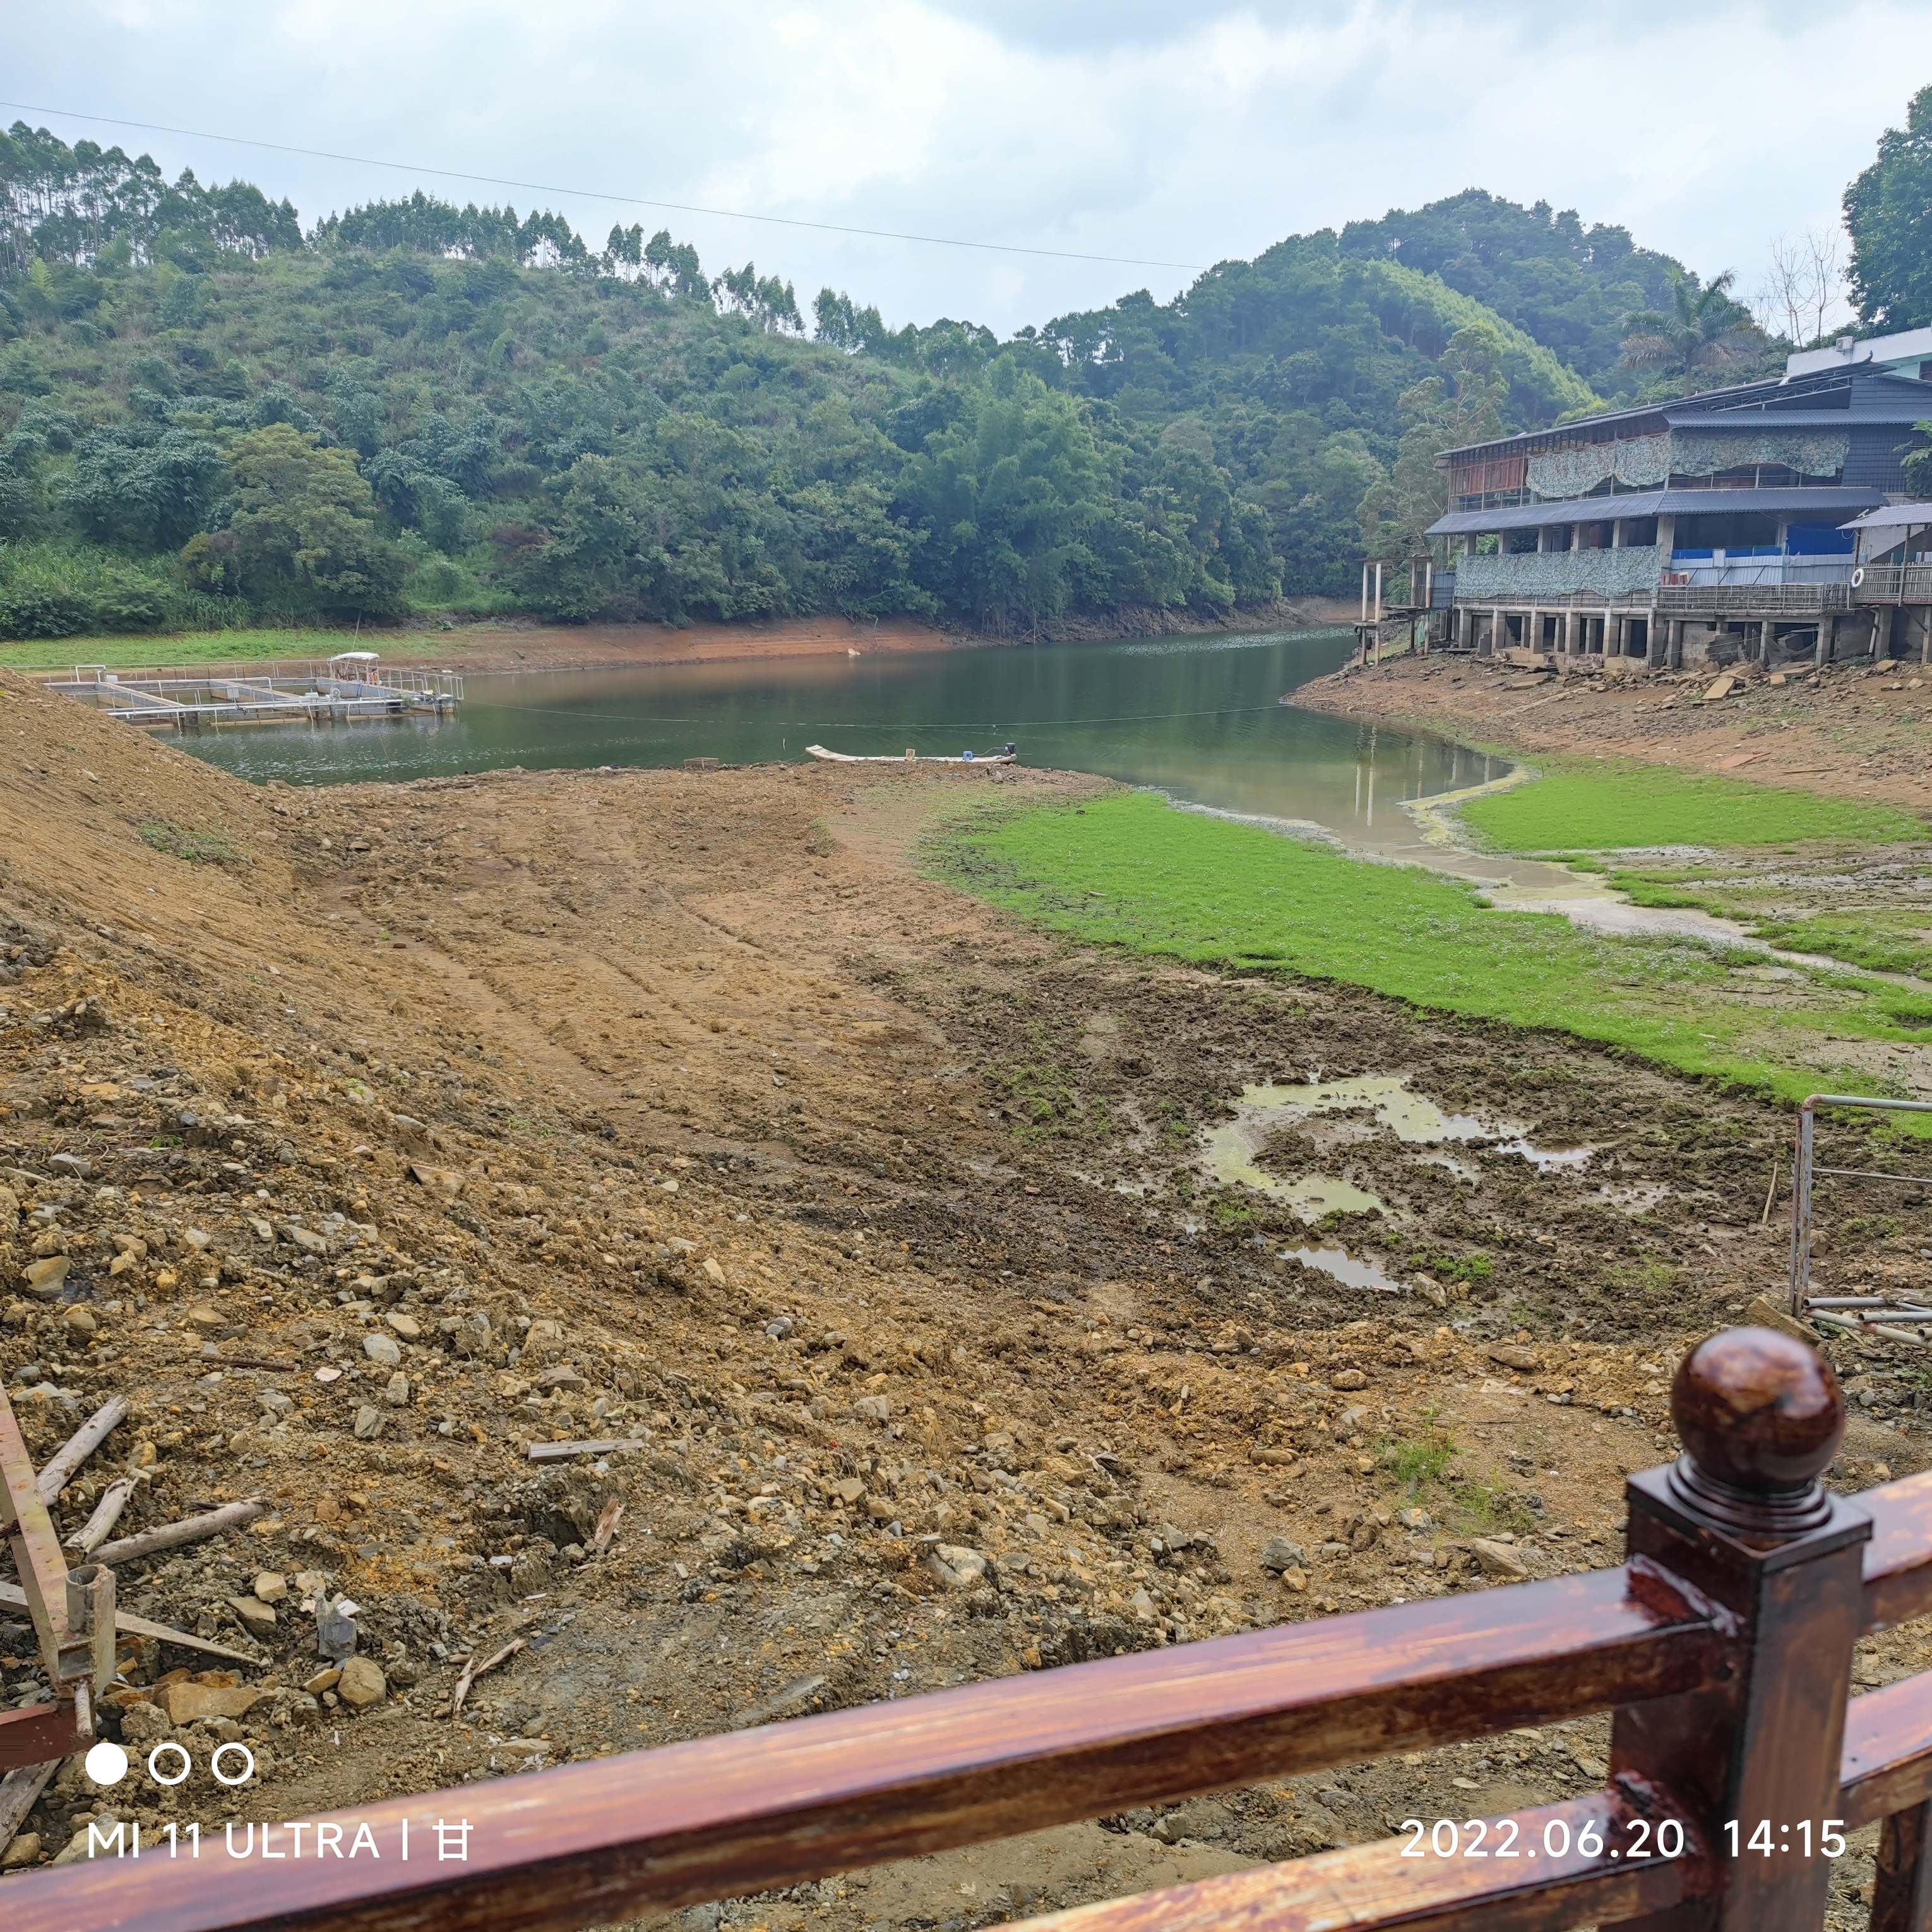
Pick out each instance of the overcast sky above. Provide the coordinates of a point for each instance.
(1185, 130)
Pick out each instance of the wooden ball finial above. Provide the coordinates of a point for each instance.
(1758, 1412)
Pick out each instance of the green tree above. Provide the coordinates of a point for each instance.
(1888, 213)
(1007, 495)
(1461, 405)
(1705, 335)
(301, 536)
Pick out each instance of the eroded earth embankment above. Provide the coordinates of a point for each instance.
(386, 1132)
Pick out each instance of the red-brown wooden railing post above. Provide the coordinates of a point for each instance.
(1742, 1516)
(1902, 1900)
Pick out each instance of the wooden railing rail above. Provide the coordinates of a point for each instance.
(1723, 1645)
(1898, 1559)
(1369, 1887)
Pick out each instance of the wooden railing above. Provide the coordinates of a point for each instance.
(1723, 1645)
(1894, 584)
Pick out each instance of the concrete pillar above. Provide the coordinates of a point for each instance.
(1885, 632)
(1468, 543)
(1827, 639)
(1666, 538)
(1673, 649)
(1767, 636)
(1576, 537)
(1653, 642)
(1616, 533)
(1365, 592)
(1925, 643)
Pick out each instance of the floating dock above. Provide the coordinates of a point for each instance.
(350, 686)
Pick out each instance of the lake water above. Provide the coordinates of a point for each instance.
(1197, 717)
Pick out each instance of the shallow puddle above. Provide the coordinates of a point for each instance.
(1230, 1150)
(1341, 1266)
(1409, 1117)
(1546, 1160)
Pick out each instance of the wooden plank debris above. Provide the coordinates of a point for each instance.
(472, 1670)
(561, 1452)
(608, 1520)
(12, 1598)
(19, 1791)
(62, 1466)
(107, 1511)
(189, 1529)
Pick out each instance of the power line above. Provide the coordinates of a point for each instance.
(598, 194)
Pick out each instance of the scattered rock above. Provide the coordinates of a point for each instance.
(1282, 1555)
(256, 1618)
(958, 1567)
(270, 1586)
(25, 1850)
(186, 1701)
(382, 1348)
(47, 1276)
(1498, 1559)
(362, 1683)
(368, 1423)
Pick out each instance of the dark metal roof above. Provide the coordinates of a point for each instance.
(1830, 504)
(1867, 394)
(1903, 408)
(1893, 516)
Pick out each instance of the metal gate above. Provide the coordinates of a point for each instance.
(1881, 1312)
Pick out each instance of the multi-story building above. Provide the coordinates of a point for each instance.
(1712, 528)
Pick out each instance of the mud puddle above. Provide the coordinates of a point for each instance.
(1231, 1152)
(1350, 1270)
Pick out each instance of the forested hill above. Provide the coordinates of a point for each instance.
(207, 416)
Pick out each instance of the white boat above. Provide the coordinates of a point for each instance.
(1005, 756)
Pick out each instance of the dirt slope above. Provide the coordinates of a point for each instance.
(414, 1125)
(1850, 731)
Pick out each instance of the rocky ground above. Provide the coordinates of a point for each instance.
(365, 1138)
(1853, 730)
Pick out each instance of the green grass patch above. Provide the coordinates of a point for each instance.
(1415, 1464)
(1130, 870)
(1882, 941)
(198, 848)
(1613, 807)
(198, 647)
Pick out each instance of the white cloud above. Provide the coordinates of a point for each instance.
(1116, 127)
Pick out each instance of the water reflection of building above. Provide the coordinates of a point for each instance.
(1765, 522)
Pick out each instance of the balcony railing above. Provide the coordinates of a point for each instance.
(1894, 584)
(1723, 1645)
(1753, 600)
(1705, 568)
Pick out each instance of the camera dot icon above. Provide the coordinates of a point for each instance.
(106, 1762)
